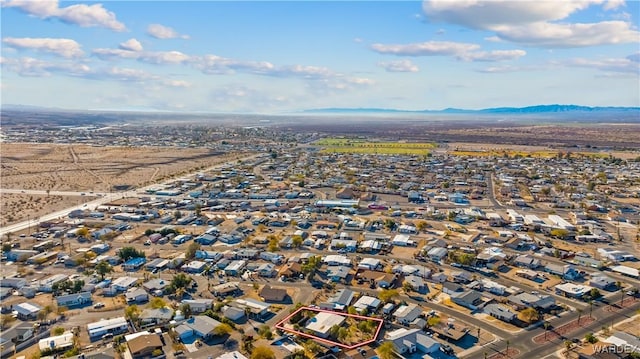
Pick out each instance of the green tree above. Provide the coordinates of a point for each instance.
(222, 329)
(262, 352)
(58, 331)
(103, 268)
(433, 321)
(132, 313)
(387, 295)
(590, 338)
(6, 247)
(190, 253)
(157, 303)
(386, 350)
(297, 241)
(529, 315)
(185, 308)
(265, 332)
(126, 253)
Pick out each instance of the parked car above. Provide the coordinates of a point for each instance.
(98, 305)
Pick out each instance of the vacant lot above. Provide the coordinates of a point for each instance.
(52, 167)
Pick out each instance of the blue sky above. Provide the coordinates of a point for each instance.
(273, 57)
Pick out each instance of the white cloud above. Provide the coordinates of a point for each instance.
(544, 34)
(399, 66)
(61, 47)
(151, 57)
(496, 55)
(617, 65)
(31, 67)
(79, 14)
(482, 14)
(512, 68)
(128, 74)
(429, 48)
(534, 23)
(614, 4)
(131, 45)
(177, 83)
(163, 57)
(164, 32)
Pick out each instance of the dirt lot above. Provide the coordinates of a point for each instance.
(86, 168)
(22, 207)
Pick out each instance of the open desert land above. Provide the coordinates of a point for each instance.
(53, 167)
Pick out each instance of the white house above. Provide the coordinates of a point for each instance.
(72, 300)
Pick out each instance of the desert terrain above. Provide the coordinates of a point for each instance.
(83, 168)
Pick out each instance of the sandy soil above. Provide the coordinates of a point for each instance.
(22, 207)
(86, 168)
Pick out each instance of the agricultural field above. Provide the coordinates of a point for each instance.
(345, 145)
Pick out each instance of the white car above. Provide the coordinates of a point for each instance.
(98, 305)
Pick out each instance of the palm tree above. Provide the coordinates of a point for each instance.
(567, 345)
(507, 351)
(579, 315)
(590, 308)
(546, 329)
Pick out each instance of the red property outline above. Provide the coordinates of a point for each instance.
(280, 325)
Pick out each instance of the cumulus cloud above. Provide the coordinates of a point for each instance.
(544, 34)
(79, 14)
(429, 48)
(496, 55)
(131, 45)
(31, 67)
(534, 22)
(133, 50)
(399, 66)
(61, 47)
(164, 32)
(617, 65)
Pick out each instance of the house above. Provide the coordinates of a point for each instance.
(380, 279)
(493, 287)
(46, 285)
(409, 341)
(208, 256)
(322, 323)
(256, 308)
(367, 304)
(144, 346)
(439, 277)
(123, 283)
(337, 273)
(72, 300)
(369, 246)
(58, 343)
(337, 260)
(27, 311)
(194, 267)
(471, 299)
(339, 301)
(602, 282)
(500, 311)
(272, 257)
(134, 264)
(369, 263)
(105, 326)
(572, 290)
(405, 314)
(232, 355)
(235, 267)
(17, 334)
(526, 261)
(291, 270)
(154, 285)
(270, 294)
(625, 340)
(416, 283)
(159, 316)
(536, 301)
(199, 326)
(461, 276)
(267, 270)
(403, 240)
(226, 289)
(233, 313)
(198, 305)
(15, 283)
(436, 254)
(566, 271)
(136, 295)
(452, 288)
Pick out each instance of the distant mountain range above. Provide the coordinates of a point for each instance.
(538, 109)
